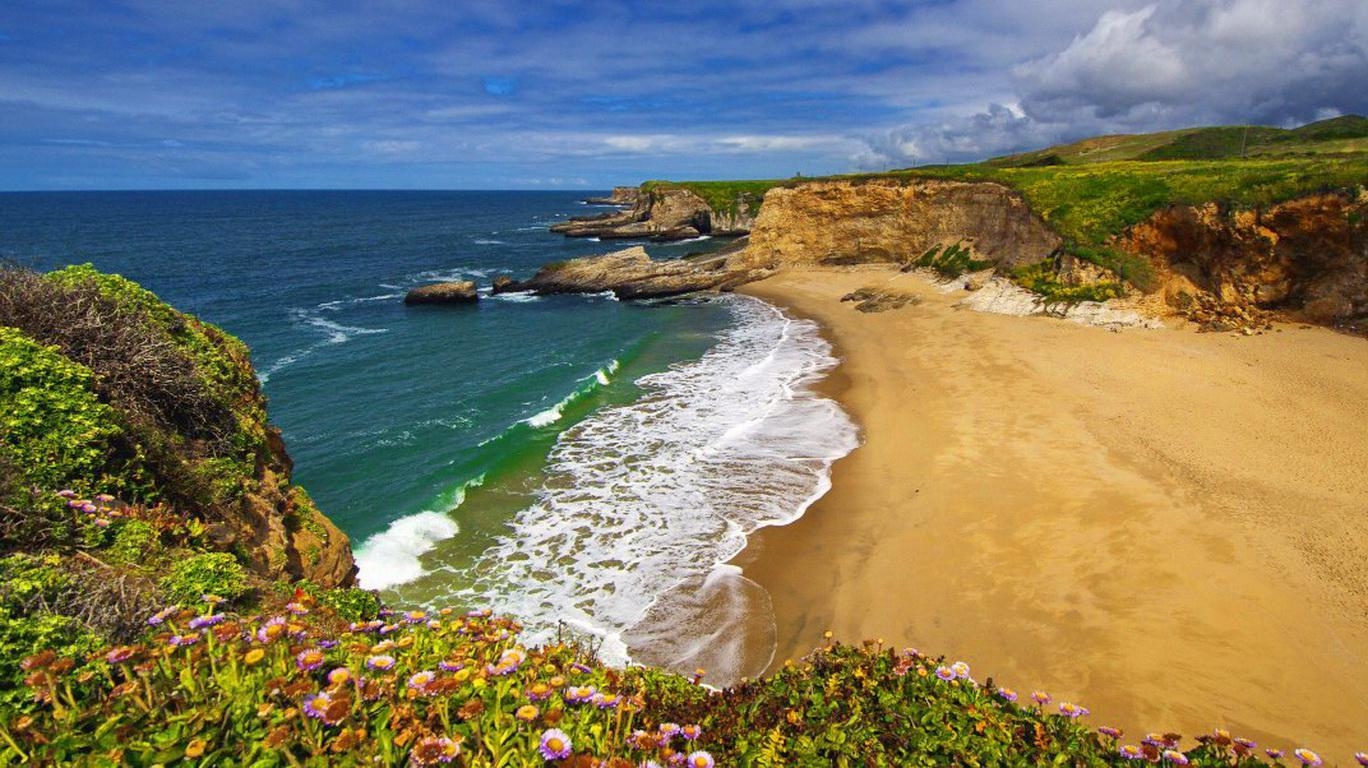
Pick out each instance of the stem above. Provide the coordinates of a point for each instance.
(23, 756)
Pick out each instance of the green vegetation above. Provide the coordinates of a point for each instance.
(53, 425)
(1091, 191)
(1043, 279)
(725, 196)
(951, 261)
(295, 686)
(208, 573)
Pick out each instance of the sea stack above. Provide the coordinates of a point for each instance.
(455, 292)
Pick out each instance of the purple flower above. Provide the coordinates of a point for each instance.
(1007, 694)
(297, 609)
(450, 666)
(1276, 754)
(555, 745)
(1306, 756)
(380, 662)
(1072, 710)
(419, 681)
(318, 705)
(945, 673)
(579, 694)
(1040, 697)
(180, 641)
(1131, 752)
(691, 732)
(1246, 743)
(272, 629)
(326, 644)
(606, 700)
(120, 655)
(1175, 757)
(200, 622)
(1109, 732)
(1361, 757)
(89, 508)
(309, 659)
(161, 616)
(700, 759)
(578, 667)
(669, 730)
(415, 617)
(339, 675)
(960, 669)
(67, 493)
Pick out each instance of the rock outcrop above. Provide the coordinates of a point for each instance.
(622, 196)
(1226, 269)
(456, 292)
(662, 213)
(632, 274)
(848, 222)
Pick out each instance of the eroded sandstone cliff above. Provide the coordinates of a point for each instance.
(842, 222)
(663, 213)
(1308, 256)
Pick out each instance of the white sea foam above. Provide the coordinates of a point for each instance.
(339, 333)
(393, 556)
(486, 241)
(517, 297)
(553, 414)
(643, 498)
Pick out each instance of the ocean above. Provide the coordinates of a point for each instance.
(575, 461)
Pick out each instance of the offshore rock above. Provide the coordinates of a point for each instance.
(632, 274)
(623, 196)
(456, 292)
(663, 214)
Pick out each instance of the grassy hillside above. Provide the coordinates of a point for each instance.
(1092, 190)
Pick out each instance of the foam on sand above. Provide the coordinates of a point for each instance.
(642, 498)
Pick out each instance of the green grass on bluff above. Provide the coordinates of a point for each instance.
(1092, 190)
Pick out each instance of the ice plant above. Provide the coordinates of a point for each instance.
(555, 745)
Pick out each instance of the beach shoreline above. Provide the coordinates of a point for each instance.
(1163, 526)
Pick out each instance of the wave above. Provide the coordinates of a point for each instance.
(484, 241)
(657, 495)
(393, 556)
(337, 333)
(589, 385)
(517, 297)
(332, 306)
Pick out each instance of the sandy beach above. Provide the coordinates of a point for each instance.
(1170, 528)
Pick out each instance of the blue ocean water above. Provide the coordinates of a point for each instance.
(564, 458)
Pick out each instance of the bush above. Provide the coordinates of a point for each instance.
(211, 573)
(134, 541)
(58, 431)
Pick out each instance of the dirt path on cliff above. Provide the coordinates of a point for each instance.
(1170, 528)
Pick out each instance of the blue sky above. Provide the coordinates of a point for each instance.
(476, 94)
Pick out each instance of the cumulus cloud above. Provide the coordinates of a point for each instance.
(1169, 64)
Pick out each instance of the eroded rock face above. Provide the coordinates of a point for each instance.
(842, 222)
(670, 213)
(620, 196)
(283, 534)
(456, 292)
(632, 274)
(1308, 255)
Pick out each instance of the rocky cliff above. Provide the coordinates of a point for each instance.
(663, 212)
(845, 222)
(632, 274)
(623, 196)
(1221, 266)
(108, 390)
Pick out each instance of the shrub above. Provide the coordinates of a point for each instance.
(57, 430)
(134, 541)
(210, 573)
(951, 261)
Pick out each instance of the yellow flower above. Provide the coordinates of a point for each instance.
(195, 748)
(527, 713)
(404, 641)
(462, 675)
(254, 655)
(480, 682)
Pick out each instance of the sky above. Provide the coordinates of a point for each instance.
(479, 94)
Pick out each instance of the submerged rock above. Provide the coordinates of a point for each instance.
(455, 292)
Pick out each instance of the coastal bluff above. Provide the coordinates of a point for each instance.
(662, 212)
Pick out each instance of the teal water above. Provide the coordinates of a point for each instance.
(572, 459)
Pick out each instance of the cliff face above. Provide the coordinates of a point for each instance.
(842, 222)
(179, 414)
(663, 213)
(1308, 255)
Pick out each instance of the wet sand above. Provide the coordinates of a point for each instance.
(1170, 528)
